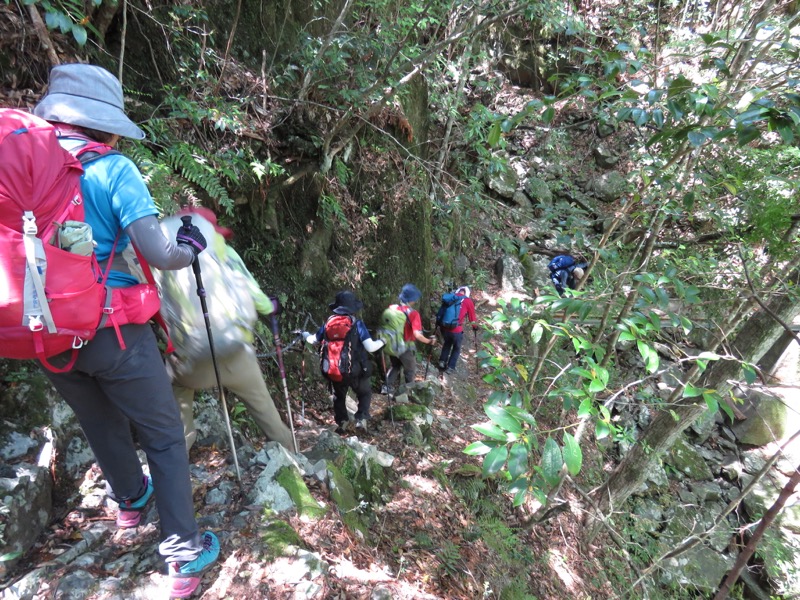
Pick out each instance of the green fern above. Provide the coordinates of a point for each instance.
(198, 168)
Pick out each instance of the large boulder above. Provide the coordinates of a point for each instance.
(608, 187)
(766, 419)
(508, 270)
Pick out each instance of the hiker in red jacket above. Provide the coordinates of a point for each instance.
(454, 336)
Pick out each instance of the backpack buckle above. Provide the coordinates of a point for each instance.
(35, 323)
(78, 343)
(77, 200)
(108, 310)
(29, 223)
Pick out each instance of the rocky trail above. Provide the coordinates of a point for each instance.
(382, 523)
(399, 511)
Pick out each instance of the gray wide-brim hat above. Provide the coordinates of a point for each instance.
(87, 96)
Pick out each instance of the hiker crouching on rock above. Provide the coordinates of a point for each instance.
(109, 388)
(454, 335)
(566, 272)
(411, 331)
(234, 297)
(343, 359)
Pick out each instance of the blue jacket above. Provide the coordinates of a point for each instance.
(561, 268)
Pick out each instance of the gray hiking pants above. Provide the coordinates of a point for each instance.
(111, 389)
(407, 361)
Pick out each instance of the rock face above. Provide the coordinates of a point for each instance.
(767, 418)
(509, 273)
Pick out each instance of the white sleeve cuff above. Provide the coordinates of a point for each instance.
(373, 345)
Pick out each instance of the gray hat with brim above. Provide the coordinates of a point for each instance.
(87, 96)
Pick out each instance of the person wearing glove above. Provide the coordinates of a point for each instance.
(111, 388)
(454, 336)
(407, 361)
(233, 314)
(346, 303)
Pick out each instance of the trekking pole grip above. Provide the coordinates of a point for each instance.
(187, 224)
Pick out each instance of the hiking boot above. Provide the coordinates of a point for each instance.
(130, 511)
(185, 577)
(442, 366)
(386, 390)
(344, 428)
(362, 425)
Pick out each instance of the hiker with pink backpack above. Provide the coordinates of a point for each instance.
(100, 352)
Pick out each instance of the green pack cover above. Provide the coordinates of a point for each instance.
(391, 330)
(231, 308)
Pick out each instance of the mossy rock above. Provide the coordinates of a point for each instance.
(290, 479)
(408, 412)
(350, 507)
(279, 539)
(686, 460)
(368, 479)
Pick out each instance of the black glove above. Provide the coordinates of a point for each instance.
(276, 305)
(192, 237)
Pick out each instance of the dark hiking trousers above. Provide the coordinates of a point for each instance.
(111, 389)
(406, 361)
(451, 349)
(363, 390)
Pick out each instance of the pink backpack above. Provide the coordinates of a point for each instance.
(51, 300)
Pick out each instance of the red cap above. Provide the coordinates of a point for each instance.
(209, 216)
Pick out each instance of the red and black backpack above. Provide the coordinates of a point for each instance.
(341, 352)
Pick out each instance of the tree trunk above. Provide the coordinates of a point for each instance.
(766, 521)
(755, 338)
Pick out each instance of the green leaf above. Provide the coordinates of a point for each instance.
(601, 430)
(696, 138)
(551, 461)
(548, 115)
(750, 374)
(79, 33)
(522, 415)
(500, 416)
(494, 135)
(477, 449)
(573, 457)
(585, 408)
(745, 135)
(495, 460)
(712, 400)
(678, 86)
(491, 430)
(518, 460)
(537, 332)
(596, 386)
(689, 391)
(626, 336)
(658, 118)
(10, 556)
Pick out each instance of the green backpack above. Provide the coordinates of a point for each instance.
(393, 324)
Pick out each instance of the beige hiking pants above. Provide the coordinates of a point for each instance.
(241, 374)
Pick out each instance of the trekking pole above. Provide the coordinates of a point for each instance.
(430, 351)
(303, 383)
(201, 292)
(386, 384)
(283, 377)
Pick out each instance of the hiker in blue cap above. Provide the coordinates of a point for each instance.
(411, 332)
